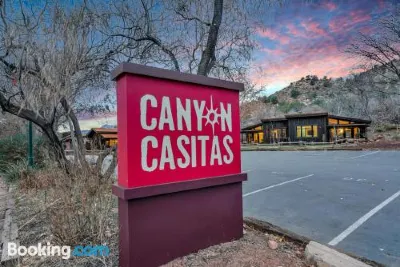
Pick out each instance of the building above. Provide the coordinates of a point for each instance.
(308, 127)
(67, 140)
(101, 138)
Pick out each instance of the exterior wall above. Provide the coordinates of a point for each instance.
(269, 126)
(321, 123)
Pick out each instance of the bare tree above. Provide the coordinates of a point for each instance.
(381, 52)
(49, 56)
(210, 38)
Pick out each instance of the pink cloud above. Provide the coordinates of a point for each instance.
(329, 5)
(358, 16)
(273, 35)
(323, 58)
(294, 31)
(313, 27)
(346, 23)
(274, 52)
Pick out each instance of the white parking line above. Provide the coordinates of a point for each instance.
(275, 185)
(362, 220)
(364, 155)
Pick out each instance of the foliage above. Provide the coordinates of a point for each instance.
(314, 95)
(75, 208)
(383, 127)
(319, 102)
(273, 99)
(327, 83)
(13, 150)
(13, 172)
(294, 93)
(287, 107)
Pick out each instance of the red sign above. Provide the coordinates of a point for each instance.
(173, 130)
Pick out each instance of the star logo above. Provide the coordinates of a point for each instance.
(212, 116)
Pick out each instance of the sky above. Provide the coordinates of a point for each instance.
(303, 37)
(310, 37)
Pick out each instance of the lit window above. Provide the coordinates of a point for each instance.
(307, 131)
(332, 121)
(315, 130)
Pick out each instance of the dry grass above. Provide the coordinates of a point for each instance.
(79, 209)
(74, 209)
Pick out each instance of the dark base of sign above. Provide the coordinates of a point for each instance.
(163, 222)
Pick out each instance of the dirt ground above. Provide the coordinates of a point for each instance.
(250, 251)
(381, 144)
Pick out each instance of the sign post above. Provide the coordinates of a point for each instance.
(179, 166)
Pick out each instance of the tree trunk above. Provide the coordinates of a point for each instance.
(77, 133)
(38, 120)
(55, 142)
(208, 56)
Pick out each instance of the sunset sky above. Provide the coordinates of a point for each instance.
(309, 37)
(304, 37)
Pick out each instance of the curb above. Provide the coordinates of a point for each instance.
(9, 231)
(313, 250)
(324, 256)
(250, 149)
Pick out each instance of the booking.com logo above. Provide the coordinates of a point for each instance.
(62, 251)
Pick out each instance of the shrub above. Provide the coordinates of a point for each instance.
(318, 102)
(294, 93)
(385, 127)
(13, 172)
(75, 209)
(313, 95)
(13, 149)
(273, 99)
(286, 107)
(327, 83)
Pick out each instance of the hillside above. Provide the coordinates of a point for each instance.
(365, 95)
(308, 90)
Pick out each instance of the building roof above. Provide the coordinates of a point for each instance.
(331, 116)
(94, 131)
(316, 114)
(274, 119)
(349, 125)
(252, 126)
(251, 131)
(304, 115)
(109, 136)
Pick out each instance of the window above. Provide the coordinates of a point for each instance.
(278, 133)
(344, 122)
(298, 130)
(357, 132)
(348, 132)
(261, 137)
(315, 130)
(307, 131)
(332, 121)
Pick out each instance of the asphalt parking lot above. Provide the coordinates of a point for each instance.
(347, 199)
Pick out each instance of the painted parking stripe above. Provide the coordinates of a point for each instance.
(276, 185)
(362, 220)
(364, 155)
